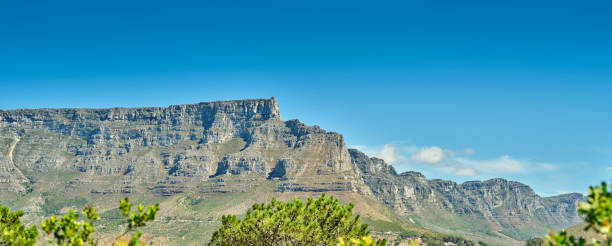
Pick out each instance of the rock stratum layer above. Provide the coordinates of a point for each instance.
(229, 147)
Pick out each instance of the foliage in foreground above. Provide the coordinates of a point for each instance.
(364, 241)
(324, 221)
(598, 216)
(68, 231)
(13, 232)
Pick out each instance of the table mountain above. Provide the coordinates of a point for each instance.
(241, 151)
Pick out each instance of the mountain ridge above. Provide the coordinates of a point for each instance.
(140, 107)
(231, 147)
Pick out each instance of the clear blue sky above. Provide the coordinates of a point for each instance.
(526, 85)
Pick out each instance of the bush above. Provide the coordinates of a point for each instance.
(364, 241)
(323, 221)
(13, 232)
(68, 231)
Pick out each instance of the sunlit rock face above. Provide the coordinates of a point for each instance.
(180, 145)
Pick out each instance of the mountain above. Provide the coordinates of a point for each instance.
(207, 159)
(507, 209)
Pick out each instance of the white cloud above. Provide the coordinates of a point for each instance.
(429, 155)
(461, 162)
(471, 172)
(389, 153)
(370, 151)
(408, 149)
(503, 164)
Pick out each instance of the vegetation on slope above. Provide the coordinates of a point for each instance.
(13, 232)
(69, 231)
(597, 211)
(323, 221)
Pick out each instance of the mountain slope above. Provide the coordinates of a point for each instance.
(497, 207)
(203, 160)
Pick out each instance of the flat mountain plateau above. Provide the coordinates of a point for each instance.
(201, 161)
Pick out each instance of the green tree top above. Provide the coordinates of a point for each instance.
(68, 231)
(315, 222)
(12, 232)
(367, 241)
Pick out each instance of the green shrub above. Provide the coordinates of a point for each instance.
(323, 221)
(13, 232)
(68, 231)
(364, 241)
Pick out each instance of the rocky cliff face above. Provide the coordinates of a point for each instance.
(507, 205)
(176, 146)
(229, 146)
